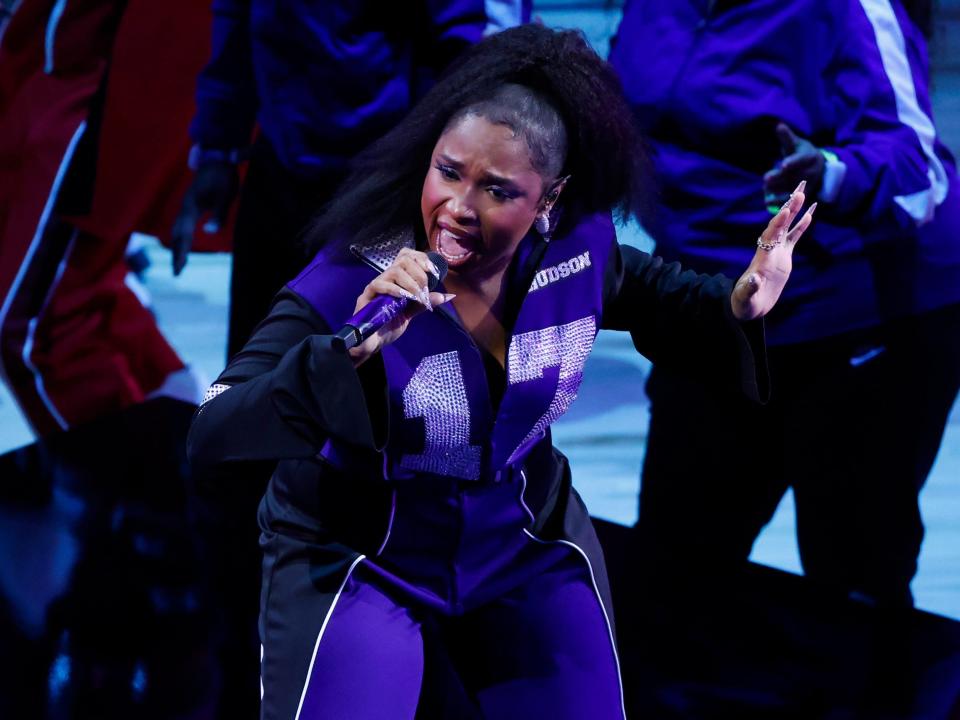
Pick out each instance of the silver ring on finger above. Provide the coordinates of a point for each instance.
(768, 246)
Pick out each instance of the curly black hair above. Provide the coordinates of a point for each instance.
(604, 155)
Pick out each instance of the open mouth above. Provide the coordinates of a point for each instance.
(454, 248)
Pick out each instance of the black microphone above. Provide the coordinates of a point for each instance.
(381, 310)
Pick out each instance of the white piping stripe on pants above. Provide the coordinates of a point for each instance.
(38, 378)
(921, 205)
(596, 591)
(31, 333)
(51, 35)
(593, 580)
(393, 512)
(41, 227)
(333, 605)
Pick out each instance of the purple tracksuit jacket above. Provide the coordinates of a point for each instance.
(709, 81)
(324, 78)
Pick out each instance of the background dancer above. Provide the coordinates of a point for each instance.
(865, 356)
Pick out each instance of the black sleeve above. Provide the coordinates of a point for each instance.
(684, 320)
(287, 392)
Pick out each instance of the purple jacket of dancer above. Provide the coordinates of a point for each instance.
(424, 472)
(324, 78)
(709, 81)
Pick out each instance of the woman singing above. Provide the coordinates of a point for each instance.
(424, 552)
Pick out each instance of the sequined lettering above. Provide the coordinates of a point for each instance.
(564, 269)
(566, 346)
(438, 394)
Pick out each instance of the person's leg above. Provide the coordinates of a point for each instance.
(856, 500)
(335, 646)
(712, 478)
(62, 356)
(39, 135)
(545, 649)
(871, 419)
(275, 209)
(77, 343)
(96, 347)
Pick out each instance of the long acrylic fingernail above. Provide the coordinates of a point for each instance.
(407, 295)
(433, 268)
(801, 187)
(447, 297)
(812, 208)
(424, 297)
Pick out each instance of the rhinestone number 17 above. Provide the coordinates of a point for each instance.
(533, 352)
(437, 393)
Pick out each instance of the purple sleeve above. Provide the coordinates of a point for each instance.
(226, 89)
(888, 171)
(286, 393)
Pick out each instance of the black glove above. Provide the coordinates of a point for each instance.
(802, 160)
(213, 189)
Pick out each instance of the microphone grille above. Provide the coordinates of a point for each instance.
(441, 264)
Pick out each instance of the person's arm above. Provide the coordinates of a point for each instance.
(286, 393)
(708, 325)
(221, 128)
(883, 169)
(685, 320)
(289, 391)
(226, 89)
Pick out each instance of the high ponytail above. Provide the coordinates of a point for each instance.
(604, 155)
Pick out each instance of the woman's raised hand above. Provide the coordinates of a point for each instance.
(759, 288)
(405, 278)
